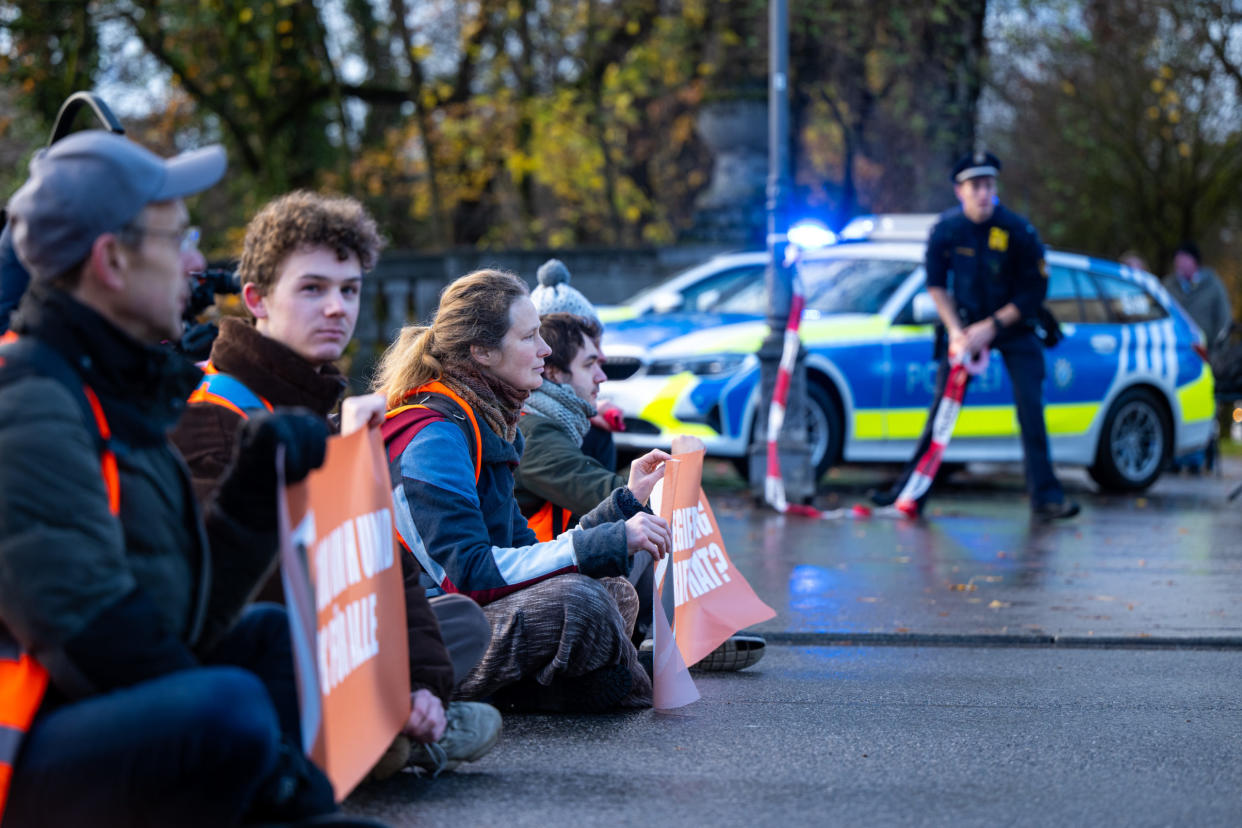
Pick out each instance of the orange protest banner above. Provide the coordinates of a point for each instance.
(671, 682)
(346, 603)
(711, 599)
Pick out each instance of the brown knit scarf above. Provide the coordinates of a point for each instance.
(498, 402)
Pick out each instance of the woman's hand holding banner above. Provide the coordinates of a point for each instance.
(697, 586)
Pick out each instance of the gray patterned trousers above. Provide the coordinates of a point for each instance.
(565, 626)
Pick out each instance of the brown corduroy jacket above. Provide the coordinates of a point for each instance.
(207, 437)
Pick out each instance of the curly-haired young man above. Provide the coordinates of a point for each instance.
(302, 268)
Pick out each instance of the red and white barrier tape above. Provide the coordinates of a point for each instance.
(924, 473)
(947, 412)
(774, 484)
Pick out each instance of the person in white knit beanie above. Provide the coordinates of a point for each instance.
(554, 295)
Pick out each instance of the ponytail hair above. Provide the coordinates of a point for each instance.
(474, 310)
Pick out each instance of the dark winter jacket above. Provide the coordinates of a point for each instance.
(207, 436)
(554, 469)
(986, 266)
(1205, 300)
(106, 602)
(472, 538)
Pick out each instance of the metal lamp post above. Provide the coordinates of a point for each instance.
(793, 449)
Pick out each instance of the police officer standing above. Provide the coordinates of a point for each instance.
(987, 275)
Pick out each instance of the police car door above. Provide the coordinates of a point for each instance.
(988, 414)
(1083, 365)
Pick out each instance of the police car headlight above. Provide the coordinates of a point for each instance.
(703, 366)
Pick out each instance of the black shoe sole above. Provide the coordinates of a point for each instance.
(1067, 511)
(738, 653)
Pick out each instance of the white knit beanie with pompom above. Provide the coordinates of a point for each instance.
(554, 295)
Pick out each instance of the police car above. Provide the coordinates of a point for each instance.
(1127, 388)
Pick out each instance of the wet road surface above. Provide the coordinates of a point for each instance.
(1166, 564)
(1084, 673)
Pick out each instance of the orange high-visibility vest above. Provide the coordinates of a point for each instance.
(549, 522)
(228, 392)
(23, 680)
(405, 421)
(396, 438)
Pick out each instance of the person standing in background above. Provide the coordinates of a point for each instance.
(1200, 292)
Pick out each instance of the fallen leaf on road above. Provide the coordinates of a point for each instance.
(866, 599)
(997, 604)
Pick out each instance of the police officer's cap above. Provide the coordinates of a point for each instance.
(975, 165)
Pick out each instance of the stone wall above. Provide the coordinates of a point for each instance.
(405, 286)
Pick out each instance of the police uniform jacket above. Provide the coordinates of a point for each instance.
(986, 266)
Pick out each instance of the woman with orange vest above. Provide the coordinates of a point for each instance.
(562, 612)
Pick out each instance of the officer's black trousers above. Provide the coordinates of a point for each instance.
(1024, 360)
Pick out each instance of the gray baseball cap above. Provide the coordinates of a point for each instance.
(95, 182)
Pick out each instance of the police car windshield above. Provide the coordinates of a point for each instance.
(832, 286)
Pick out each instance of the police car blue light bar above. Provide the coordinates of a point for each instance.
(858, 229)
(810, 234)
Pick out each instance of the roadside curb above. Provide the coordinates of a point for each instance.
(1080, 642)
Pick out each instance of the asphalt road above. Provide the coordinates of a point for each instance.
(1082, 673)
(875, 736)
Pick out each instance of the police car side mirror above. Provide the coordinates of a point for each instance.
(924, 308)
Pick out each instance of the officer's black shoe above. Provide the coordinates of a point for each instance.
(882, 496)
(1056, 511)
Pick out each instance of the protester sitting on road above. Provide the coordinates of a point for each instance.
(561, 612)
(302, 269)
(557, 480)
(161, 705)
(555, 295)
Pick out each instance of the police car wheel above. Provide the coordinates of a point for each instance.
(1134, 443)
(824, 433)
(824, 429)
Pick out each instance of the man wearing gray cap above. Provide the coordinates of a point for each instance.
(137, 689)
